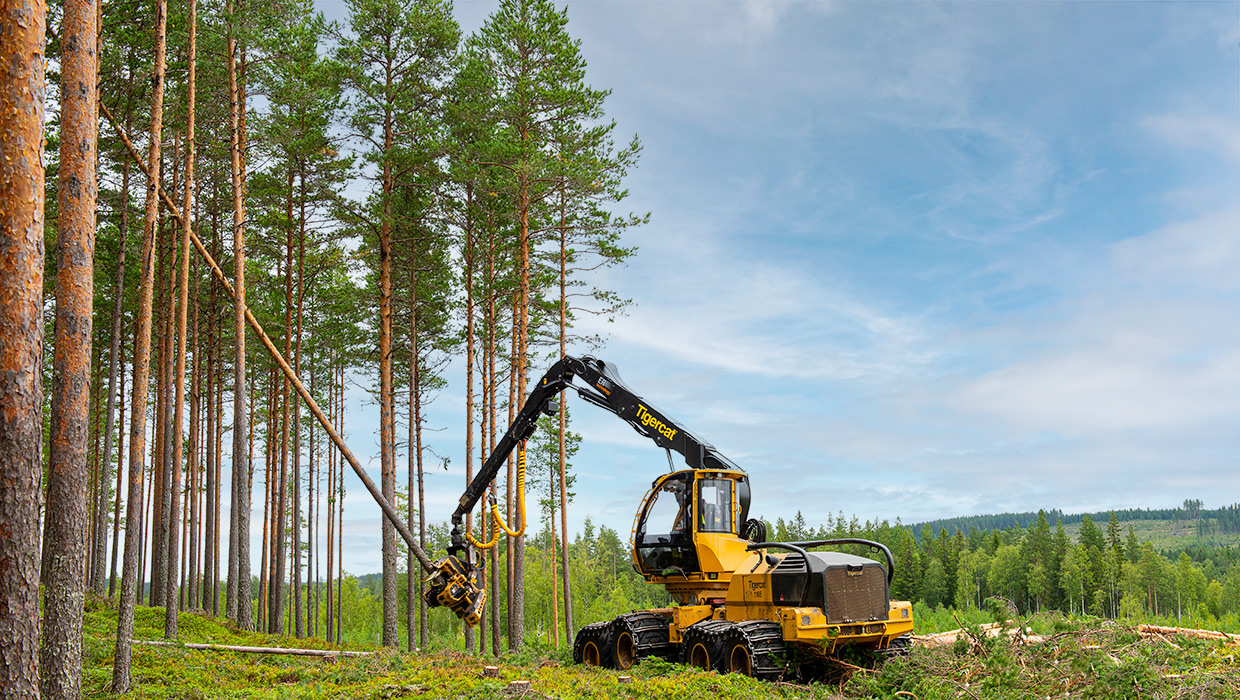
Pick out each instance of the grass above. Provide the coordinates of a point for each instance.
(1083, 659)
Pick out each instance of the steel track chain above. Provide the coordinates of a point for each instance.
(764, 641)
(649, 632)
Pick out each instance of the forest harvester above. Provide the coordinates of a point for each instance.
(742, 603)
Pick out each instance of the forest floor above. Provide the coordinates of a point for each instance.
(1075, 659)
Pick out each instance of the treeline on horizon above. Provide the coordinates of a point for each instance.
(1224, 520)
(1105, 571)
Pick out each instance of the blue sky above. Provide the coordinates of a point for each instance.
(914, 260)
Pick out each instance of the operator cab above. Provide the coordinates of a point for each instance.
(679, 509)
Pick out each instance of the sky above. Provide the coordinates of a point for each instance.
(910, 260)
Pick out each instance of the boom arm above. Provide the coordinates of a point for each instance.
(603, 388)
(454, 582)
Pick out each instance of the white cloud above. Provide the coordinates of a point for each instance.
(1212, 133)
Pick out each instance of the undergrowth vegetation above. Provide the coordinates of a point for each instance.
(1080, 658)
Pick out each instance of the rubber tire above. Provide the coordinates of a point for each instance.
(753, 648)
(738, 657)
(702, 645)
(637, 635)
(593, 645)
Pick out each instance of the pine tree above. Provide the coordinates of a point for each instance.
(395, 63)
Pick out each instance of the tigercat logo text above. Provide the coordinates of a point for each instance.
(650, 421)
(755, 586)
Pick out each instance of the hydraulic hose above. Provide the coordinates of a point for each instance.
(497, 523)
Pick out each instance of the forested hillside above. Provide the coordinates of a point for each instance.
(1103, 569)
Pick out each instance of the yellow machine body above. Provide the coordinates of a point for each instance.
(687, 536)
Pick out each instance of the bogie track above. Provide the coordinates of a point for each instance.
(754, 648)
(638, 635)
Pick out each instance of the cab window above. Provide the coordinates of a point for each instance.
(715, 506)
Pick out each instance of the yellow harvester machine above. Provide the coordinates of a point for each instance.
(742, 604)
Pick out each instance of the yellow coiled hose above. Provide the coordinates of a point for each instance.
(497, 523)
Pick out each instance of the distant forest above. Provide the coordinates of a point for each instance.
(1224, 520)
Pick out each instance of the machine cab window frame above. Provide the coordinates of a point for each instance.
(715, 511)
(660, 551)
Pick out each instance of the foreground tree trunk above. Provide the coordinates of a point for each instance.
(21, 326)
(141, 374)
(64, 582)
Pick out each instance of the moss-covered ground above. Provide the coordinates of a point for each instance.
(1080, 659)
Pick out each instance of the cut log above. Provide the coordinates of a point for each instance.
(1156, 630)
(256, 650)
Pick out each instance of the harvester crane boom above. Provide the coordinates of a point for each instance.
(454, 580)
(603, 388)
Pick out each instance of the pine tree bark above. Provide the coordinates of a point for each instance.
(22, 24)
(568, 595)
(210, 564)
(114, 361)
(64, 582)
(469, 385)
(240, 598)
(415, 453)
(173, 577)
(387, 427)
(141, 366)
(194, 463)
(299, 627)
(120, 475)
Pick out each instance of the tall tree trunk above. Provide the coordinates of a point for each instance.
(141, 367)
(515, 579)
(210, 564)
(239, 595)
(158, 535)
(298, 619)
(415, 453)
(387, 427)
(278, 555)
(22, 24)
(120, 451)
(193, 466)
(331, 511)
(423, 628)
(340, 514)
(492, 325)
(64, 582)
(469, 384)
(182, 308)
(114, 361)
(272, 531)
(93, 467)
(218, 467)
(568, 593)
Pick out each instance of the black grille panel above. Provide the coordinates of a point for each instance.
(856, 593)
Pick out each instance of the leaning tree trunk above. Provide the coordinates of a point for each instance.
(141, 374)
(21, 326)
(64, 582)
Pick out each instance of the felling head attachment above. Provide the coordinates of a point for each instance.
(454, 585)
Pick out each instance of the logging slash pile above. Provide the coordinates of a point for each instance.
(1063, 659)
